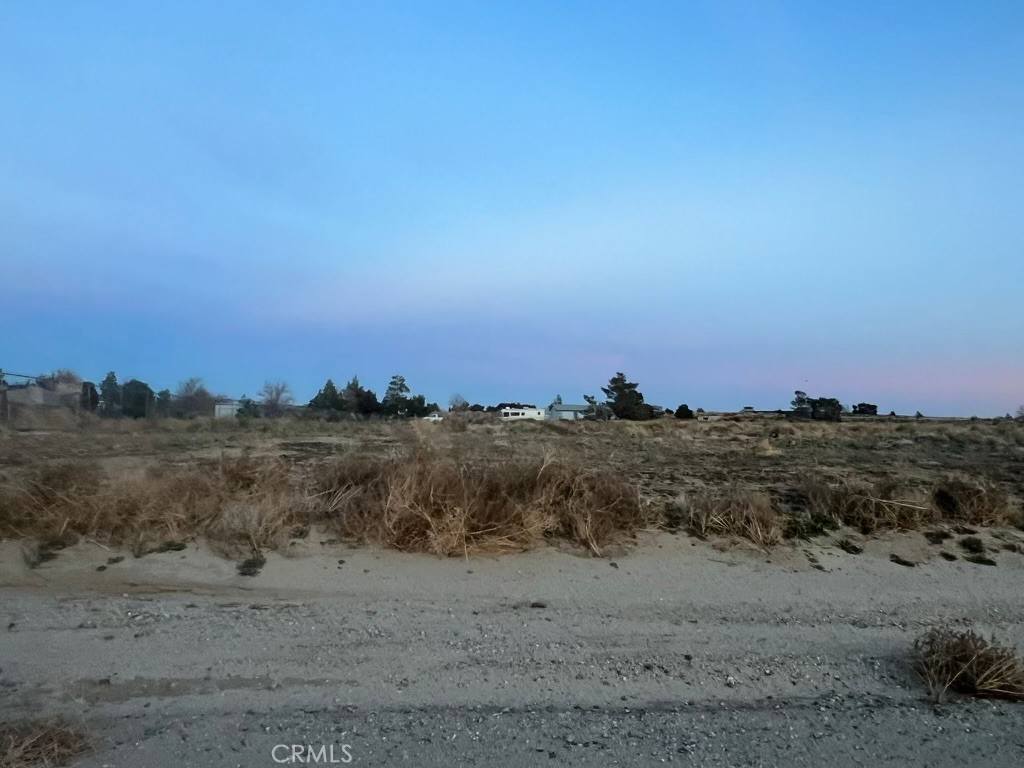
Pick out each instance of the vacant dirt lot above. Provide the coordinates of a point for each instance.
(663, 458)
(666, 649)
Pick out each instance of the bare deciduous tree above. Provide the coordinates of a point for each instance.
(193, 399)
(275, 397)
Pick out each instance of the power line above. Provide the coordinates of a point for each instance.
(17, 375)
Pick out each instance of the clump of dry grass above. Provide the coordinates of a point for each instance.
(33, 744)
(868, 508)
(764, 447)
(51, 484)
(973, 502)
(426, 503)
(748, 515)
(887, 505)
(431, 504)
(237, 502)
(964, 661)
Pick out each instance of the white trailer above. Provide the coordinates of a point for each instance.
(520, 414)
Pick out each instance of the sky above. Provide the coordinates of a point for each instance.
(728, 201)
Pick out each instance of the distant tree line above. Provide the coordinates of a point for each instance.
(356, 400)
(622, 400)
(827, 408)
(817, 408)
(136, 399)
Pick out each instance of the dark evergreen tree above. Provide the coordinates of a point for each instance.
(355, 398)
(684, 412)
(137, 399)
(327, 398)
(417, 406)
(818, 408)
(396, 397)
(89, 399)
(625, 400)
(110, 393)
(163, 403)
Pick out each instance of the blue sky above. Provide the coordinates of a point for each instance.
(726, 200)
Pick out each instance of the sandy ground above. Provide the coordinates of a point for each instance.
(673, 653)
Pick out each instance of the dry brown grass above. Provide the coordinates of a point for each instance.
(158, 482)
(33, 744)
(429, 504)
(751, 516)
(252, 503)
(888, 506)
(977, 502)
(882, 506)
(426, 503)
(868, 507)
(964, 661)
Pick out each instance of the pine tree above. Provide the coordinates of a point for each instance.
(625, 399)
(396, 400)
(327, 398)
(110, 392)
(163, 402)
(136, 399)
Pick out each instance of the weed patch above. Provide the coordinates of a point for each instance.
(965, 662)
(237, 502)
(32, 744)
(972, 544)
(427, 504)
(868, 508)
(974, 503)
(750, 516)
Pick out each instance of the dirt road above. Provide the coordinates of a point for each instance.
(674, 653)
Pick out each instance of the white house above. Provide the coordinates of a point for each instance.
(519, 414)
(567, 412)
